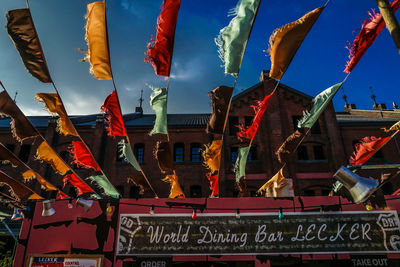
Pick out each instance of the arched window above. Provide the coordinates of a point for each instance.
(120, 189)
(138, 150)
(195, 152)
(234, 153)
(24, 153)
(195, 191)
(179, 152)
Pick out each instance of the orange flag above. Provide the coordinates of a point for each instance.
(176, 190)
(30, 174)
(212, 155)
(285, 41)
(278, 179)
(96, 37)
(21, 128)
(47, 154)
(55, 106)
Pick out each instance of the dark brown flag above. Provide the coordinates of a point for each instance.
(289, 146)
(164, 156)
(7, 156)
(17, 189)
(22, 31)
(21, 128)
(220, 98)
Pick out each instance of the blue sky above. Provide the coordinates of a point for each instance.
(196, 70)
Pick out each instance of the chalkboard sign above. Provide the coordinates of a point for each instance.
(261, 233)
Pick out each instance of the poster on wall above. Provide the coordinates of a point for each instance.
(65, 260)
(259, 233)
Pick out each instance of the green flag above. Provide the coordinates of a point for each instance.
(320, 102)
(125, 151)
(240, 164)
(232, 39)
(105, 184)
(158, 101)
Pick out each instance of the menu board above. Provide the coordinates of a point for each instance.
(59, 260)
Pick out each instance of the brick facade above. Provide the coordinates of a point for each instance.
(328, 147)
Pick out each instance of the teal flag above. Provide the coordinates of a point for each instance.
(240, 164)
(232, 39)
(125, 151)
(158, 101)
(105, 184)
(320, 102)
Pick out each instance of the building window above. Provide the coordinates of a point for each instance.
(134, 192)
(195, 152)
(387, 188)
(295, 120)
(319, 152)
(248, 120)
(119, 157)
(24, 153)
(72, 191)
(378, 154)
(120, 189)
(195, 191)
(309, 192)
(65, 156)
(252, 154)
(139, 152)
(316, 129)
(302, 153)
(234, 154)
(179, 152)
(325, 192)
(233, 123)
(10, 147)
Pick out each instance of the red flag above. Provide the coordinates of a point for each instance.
(113, 115)
(259, 109)
(82, 157)
(159, 51)
(366, 148)
(80, 186)
(370, 29)
(61, 195)
(213, 184)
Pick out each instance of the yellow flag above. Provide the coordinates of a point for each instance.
(54, 106)
(35, 196)
(96, 37)
(285, 41)
(30, 174)
(394, 127)
(176, 189)
(212, 154)
(278, 179)
(47, 154)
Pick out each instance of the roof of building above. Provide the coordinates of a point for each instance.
(132, 120)
(347, 119)
(281, 85)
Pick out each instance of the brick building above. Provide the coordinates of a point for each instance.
(328, 147)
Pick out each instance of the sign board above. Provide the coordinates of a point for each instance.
(369, 260)
(259, 233)
(153, 262)
(65, 260)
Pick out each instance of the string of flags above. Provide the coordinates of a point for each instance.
(231, 42)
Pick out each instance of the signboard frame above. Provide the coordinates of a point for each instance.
(99, 258)
(392, 212)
